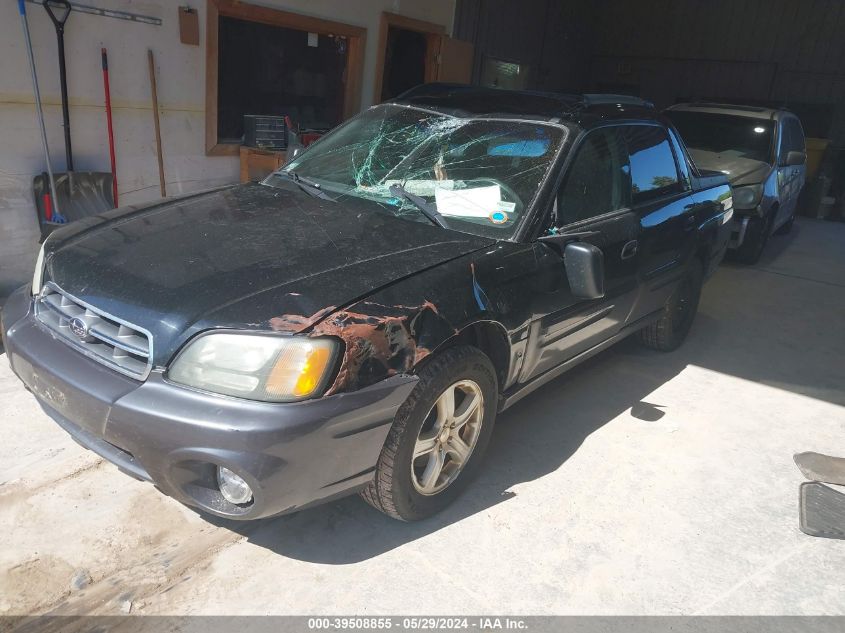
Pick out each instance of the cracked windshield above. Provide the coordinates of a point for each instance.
(472, 175)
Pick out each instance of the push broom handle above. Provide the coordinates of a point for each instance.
(157, 124)
(109, 121)
(39, 111)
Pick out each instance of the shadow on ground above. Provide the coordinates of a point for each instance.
(746, 327)
(532, 439)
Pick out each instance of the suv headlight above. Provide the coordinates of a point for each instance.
(265, 367)
(38, 273)
(747, 197)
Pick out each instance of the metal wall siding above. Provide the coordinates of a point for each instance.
(759, 50)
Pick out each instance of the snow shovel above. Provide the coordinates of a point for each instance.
(78, 194)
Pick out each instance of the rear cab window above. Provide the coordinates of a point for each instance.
(654, 172)
(685, 163)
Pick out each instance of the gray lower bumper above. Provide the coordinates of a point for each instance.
(292, 455)
(739, 226)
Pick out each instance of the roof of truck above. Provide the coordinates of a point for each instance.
(475, 101)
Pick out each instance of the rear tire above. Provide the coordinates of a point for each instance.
(430, 455)
(669, 331)
(756, 236)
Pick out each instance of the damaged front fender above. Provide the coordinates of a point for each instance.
(398, 327)
(380, 340)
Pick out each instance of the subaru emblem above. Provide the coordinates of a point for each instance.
(78, 327)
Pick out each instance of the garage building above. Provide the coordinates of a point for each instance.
(636, 484)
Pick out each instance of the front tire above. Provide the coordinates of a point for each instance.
(438, 438)
(756, 237)
(669, 331)
(786, 227)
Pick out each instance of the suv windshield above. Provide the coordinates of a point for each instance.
(480, 175)
(740, 136)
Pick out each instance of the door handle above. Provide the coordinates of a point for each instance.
(629, 250)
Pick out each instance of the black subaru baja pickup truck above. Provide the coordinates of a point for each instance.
(355, 322)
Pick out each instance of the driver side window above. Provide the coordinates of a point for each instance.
(598, 181)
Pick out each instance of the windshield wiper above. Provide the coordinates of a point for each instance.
(307, 185)
(427, 210)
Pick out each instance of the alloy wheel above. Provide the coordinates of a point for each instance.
(447, 437)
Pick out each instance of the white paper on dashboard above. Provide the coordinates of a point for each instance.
(421, 187)
(478, 202)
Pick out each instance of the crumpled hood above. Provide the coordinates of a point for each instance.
(248, 256)
(740, 171)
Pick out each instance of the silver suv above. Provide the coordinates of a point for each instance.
(762, 152)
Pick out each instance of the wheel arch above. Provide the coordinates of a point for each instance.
(488, 336)
(773, 208)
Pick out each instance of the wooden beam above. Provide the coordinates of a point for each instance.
(154, 97)
(286, 19)
(211, 20)
(353, 75)
(412, 24)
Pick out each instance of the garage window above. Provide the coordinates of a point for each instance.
(265, 61)
(266, 69)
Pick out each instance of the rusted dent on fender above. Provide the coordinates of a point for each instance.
(381, 341)
(295, 323)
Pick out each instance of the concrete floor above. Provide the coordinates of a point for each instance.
(640, 483)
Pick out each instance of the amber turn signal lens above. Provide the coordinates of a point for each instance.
(306, 377)
(313, 371)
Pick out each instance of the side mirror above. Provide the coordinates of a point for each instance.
(794, 158)
(584, 269)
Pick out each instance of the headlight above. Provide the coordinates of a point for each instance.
(747, 197)
(38, 273)
(270, 368)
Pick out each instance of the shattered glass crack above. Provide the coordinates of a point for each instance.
(481, 174)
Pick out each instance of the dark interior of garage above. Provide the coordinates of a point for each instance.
(772, 53)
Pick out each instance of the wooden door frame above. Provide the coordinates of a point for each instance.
(433, 33)
(356, 37)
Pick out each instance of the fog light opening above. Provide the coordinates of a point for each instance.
(233, 488)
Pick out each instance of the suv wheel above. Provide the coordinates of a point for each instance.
(670, 330)
(756, 236)
(438, 438)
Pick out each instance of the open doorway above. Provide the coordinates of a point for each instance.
(412, 52)
(404, 61)
(407, 54)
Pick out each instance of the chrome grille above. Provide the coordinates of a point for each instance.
(121, 345)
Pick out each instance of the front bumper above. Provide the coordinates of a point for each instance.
(292, 454)
(739, 226)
